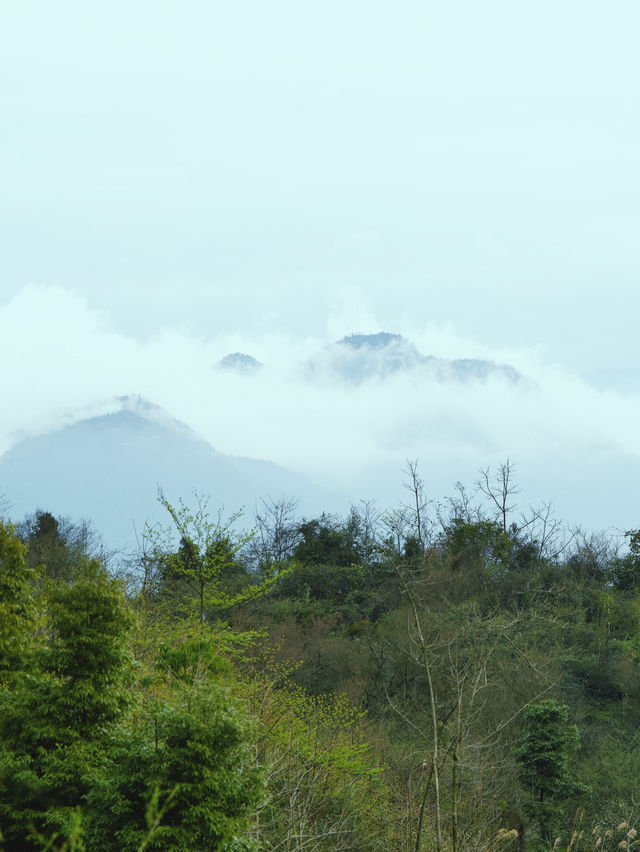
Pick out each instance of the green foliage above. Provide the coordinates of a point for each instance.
(634, 544)
(207, 557)
(214, 739)
(482, 543)
(547, 742)
(624, 572)
(72, 841)
(53, 720)
(327, 543)
(327, 789)
(322, 582)
(57, 546)
(89, 653)
(18, 610)
(85, 766)
(182, 771)
(188, 760)
(192, 660)
(192, 653)
(335, 569)
(46, 545)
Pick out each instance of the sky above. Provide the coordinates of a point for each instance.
(181, 180)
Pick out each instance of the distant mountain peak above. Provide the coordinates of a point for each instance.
(379, 340)
(360, 357)
(134, 400)
(139, 405)
(118, 413)
(241, 362)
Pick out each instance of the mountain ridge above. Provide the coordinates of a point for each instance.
(359, 357)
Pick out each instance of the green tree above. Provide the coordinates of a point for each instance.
(55, 720)
(192, 755)
(482, 544)
(548, 740)
(58, 545)
(624, 571)
(89, 649)
(17, 605)
(326, 542)
(206, 557)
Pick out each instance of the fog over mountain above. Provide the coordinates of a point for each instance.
(359, 357)
(571, 443)
(108, 468)
(240, 361)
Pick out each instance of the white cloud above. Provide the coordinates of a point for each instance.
(572, 443)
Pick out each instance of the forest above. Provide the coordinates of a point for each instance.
(449, 676)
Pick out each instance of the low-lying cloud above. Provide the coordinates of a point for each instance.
(572, 443)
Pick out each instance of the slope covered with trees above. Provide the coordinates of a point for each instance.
(431, 677)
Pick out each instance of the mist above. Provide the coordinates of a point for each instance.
(572, 444)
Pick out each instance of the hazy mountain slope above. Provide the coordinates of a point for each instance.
(107, 468)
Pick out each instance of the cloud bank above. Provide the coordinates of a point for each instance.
(572, 443)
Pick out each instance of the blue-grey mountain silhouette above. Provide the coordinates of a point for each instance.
(107, 469)
(360, 357)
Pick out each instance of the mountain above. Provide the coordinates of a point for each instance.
(107, 469)
(241, 362)
(360, 357)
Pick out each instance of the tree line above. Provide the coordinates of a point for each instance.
(451, 676)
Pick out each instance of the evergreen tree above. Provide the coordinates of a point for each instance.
(548, 740)
(54, 722)
(17, 605)
(183, 774)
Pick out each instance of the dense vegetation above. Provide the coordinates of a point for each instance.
(435, 677)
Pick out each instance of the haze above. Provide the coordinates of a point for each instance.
(183, 181)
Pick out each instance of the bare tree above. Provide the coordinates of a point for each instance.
(5, 506)
(277, 530)
(591, 554)
(550, 535)
(419, 505)
(499, 488)
(458, 506)
(396, 530)
(370, 521)
(463, 718)
(144, 564)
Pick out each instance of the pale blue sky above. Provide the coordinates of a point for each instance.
(220, 165)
